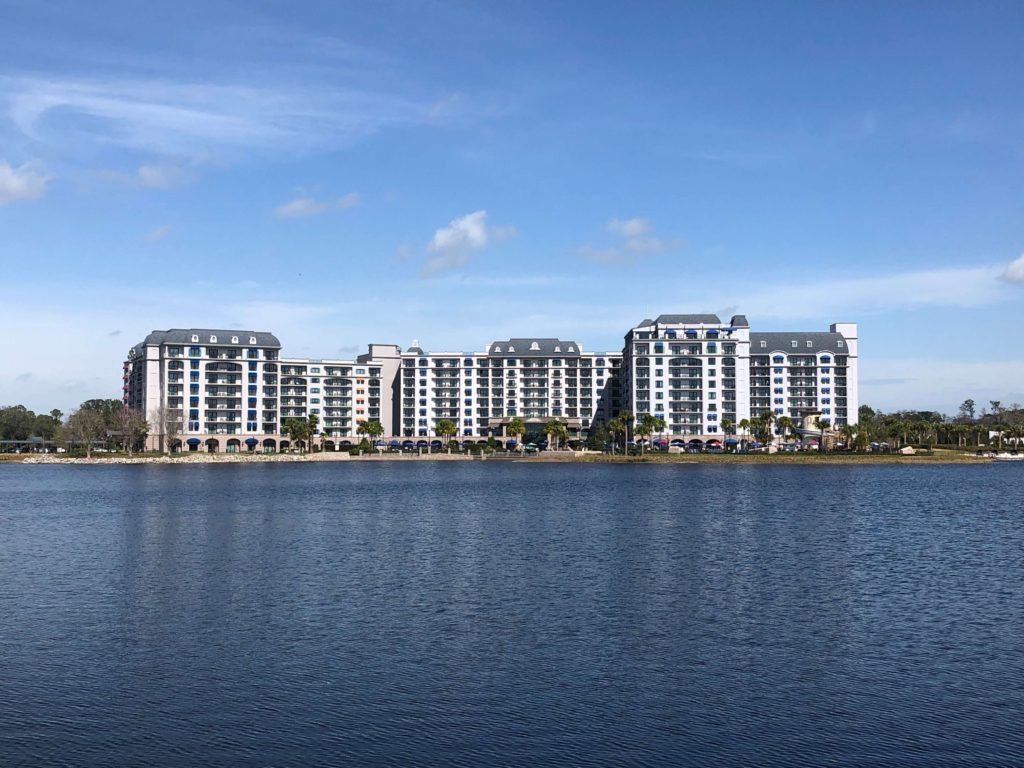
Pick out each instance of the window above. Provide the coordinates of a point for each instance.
(764, 344)
(794, 343)
(839, 343)
(810, 344)
(213, 339)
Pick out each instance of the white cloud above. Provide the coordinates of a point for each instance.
(21, 183)
(637, 237)
(304, 205)
(455, 243)
(937, 384)
(162, 176)
(953, 287)
(1014, 272)
(158, 234)
(443, 107)
(629, 227)
(204, 118)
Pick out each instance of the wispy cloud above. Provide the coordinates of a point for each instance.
(1014, 272)
(454, 245)
(203, 118)
(636, 237)
(26, 182)
(162, 176)
(443, 107)
(304, 205)
(158, 234)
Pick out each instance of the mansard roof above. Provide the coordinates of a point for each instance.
(533, 347)
(688, 319)
(184, 336)
(782, 341)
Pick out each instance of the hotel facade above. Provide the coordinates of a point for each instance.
(231, 390)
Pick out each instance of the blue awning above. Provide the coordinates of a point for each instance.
(730, 440)
(251, 441)
(193, 441)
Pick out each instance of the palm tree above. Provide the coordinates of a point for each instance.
(446, 428)
(298, 432)
(312, 421)
(822, 425)
(786, 424)
(744, 426)
(516, 429)
(848, 431)
(764, 422)
(727, 426)
(658, 424)
(627, 424)
(646, 426)
(371, 429)
(615, 426)
(555, 430)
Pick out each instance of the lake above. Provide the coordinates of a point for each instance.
(449, 613)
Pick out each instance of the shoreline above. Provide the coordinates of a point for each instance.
(846, 459)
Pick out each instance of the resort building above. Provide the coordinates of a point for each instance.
(690, 370)
(533, 379)
(217, 390)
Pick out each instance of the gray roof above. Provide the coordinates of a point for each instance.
(689, 319)
(415, 350)
(184, 336)
(739, 321)
(523, 348)
(782, 341)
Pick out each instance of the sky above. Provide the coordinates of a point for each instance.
(341, 173)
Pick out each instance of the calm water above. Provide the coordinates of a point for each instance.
(508, 614)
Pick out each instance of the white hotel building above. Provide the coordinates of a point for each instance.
(233, 391)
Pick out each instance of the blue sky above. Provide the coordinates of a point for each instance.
(341, 173)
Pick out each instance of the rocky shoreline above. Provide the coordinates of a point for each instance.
(555, 456)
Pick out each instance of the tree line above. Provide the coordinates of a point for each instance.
(94, 422)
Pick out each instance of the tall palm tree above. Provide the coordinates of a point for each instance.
(516, 428)
(822, 425)
(555, 430)
(446, 428)
(744, 426)
(615, 426)
(658, 425)
(648, 425)
(766, 419)
(786, 424)
(727, 426)
(627, 424)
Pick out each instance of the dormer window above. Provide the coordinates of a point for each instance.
(839, 344)
(511, 348)
(571, 349)
(213, 339)
(764, 344)
(810, 344)
(794, 343)
(195, 338)
(234, 339)
(534, 347)
(558, 348)
(252, 339)
(497, 350)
